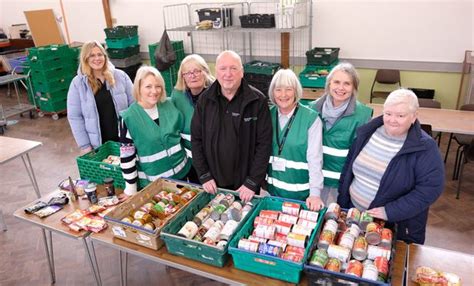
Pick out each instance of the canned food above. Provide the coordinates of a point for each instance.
(161, 195)
(214, 231)
(246, 209)
(359, 250)
(146, 207)
(290, 208)
(330, 225)
(215, 215)
(339, 252)
(333, 211)
(200, 234)
(137, 214)
(333, 264)
(292, 257)
(282, 227)
(370, 272)
(298, 240)
(263, 220)
(188, 230)
(207, 224)
(319, 258)
(228, 229)
(341, 225)
(221, 244)
(236, 205)
(354, 230)
(306, 223)
(347, 240)
(278, 243)
(288, 218)
(382, 266)
(295, 250)
(386, 238)
(353, 216)
(299, 229)
(355, 268)
(149, 226)
(365, 219)
(374, 251)
(209, 241)
(309, 215)
(373, 233)
(230, 214)
(128, 219)
(281, 237)
(202, 215)
(215, 201)
(269, 214)
(138, 222)
(268, 249)
(220, 208)
(325, 239)
(265, 231)
(257, 239)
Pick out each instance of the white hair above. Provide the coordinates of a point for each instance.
(402, 95)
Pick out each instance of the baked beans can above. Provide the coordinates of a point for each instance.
(370, 272)
(291, 208)
(228, 229)
(270, 214)
(292, 257)
(267, 249)
(307, 223)
(355, 268)
(373, 233)
(295, 250)
(277, 243)
(257, 239)
(319, 258)
(333, 264)
(299, 229)
(365, 219)
(354, 230)
(333, 211)
(330, 225)
(359, 249)
(382, 266)
(282, 227)
(281, 237)
(339, 252)
(263, 220)
(298, 240)
(353, 216)
(265, 231)
(347, 240)
(325, 239)
(309, 215)
(374, 251)
(248, 245)
(288, 218)
(188, 230)
(386, 240)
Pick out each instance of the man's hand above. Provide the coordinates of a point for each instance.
(245, 194)
(314, 203)
(210, 187)
(378, 213)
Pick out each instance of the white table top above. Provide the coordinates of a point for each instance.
(10, 148)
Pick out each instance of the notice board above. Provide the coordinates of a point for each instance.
(44, 28)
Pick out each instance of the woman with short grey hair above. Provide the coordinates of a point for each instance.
(341, 114)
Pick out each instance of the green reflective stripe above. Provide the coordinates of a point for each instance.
(287, 186)
(166, 174)
(160, 155)
(335, 152)
(290, 164)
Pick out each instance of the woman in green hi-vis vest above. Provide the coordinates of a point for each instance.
(194, 77)
(341, 114)
(150, 134)
(295, 169)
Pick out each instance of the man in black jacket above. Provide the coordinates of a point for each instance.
(231, 132)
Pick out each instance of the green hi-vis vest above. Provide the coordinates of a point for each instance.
(159, 149)
(338, 140)
(293, 181)
(183, 104)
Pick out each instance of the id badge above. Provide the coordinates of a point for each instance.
(279, 164)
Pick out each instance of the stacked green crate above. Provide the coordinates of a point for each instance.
(52, 69)
(123, 48)
(320, 61)
(170, 75)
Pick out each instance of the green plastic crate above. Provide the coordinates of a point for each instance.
(322, 56)
(120, 32)
(311, 77)
(91, 167)
(170, 77)
(121, 43)
(60, 72)
(48, 52)
(195, 250)
(123, 53)
(52, 104)
(259, 67)
(53, 84)
(178, 48)
(266, 265)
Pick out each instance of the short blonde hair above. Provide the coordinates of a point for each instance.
(201, 63)
(403, 95)
(86, 69)
(285, 78)
(142, 73)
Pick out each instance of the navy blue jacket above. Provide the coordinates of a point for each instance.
(413, 180)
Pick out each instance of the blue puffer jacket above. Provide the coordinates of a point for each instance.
(413, 180)
(82, 111)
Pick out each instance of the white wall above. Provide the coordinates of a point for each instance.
(400, 30)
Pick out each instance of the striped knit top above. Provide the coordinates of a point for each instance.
(370, 165)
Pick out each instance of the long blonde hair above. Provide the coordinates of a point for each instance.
(86, 69)
(201, 63)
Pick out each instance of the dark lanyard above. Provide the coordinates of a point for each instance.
(288, 126)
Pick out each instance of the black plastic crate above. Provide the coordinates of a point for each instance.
(131, 71)
(257, 21)
(423, 93)
(212, 14)
(322, 56)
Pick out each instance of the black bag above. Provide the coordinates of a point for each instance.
(165, 56)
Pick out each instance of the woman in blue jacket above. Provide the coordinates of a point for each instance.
(394, 169)
(96, 96)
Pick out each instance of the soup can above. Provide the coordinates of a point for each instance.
(359, 250)
(355, 268)
(248, 245)
(319, 258)
(339, 252)
(333, 211)
(309, 215)
(373, 233)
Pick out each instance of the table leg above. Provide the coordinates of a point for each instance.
(93, 261)
(31, 174)
(49, 255)
(3, 225)
(123, 267)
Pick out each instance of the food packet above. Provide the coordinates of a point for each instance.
(36, 207)
(47, 211)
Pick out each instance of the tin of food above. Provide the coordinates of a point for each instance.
(355, 268)
(359, 250)
(319, 258)
(339, 252)
(373, 233)
(333, 211)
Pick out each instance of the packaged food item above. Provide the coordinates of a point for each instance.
(341, 253)
(109, 186)
(298, 240)
(96, 224)
(47, 211)
(365, 219)
(373, 233)
(382, 267)
(309, 215)
(355, 268)
(94, 209)
(353, 216)
(74, 216)
(291, 208)
(248, 245)
(108, 201)
(268, 249)
(91, 192)
(359, 249)
(386, 238)
(35, 207)
(319, 258)
(333, 211)
(370, 272)
(188, 230)
(333, 264)
(325, 239)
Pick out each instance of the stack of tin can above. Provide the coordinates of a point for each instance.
(355, 243)
(281, 233)
(217, 221)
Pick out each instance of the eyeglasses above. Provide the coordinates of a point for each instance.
(100, 55)
(191, 73)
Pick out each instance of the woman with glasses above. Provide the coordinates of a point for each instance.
(96, 96)
(193, 78)
(150, 134)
